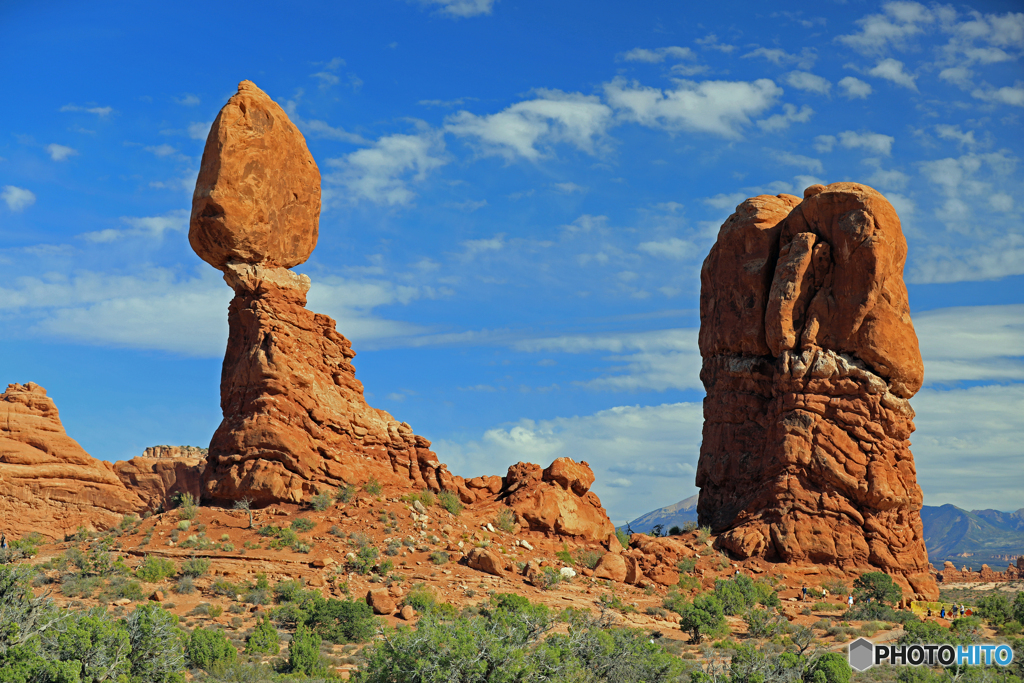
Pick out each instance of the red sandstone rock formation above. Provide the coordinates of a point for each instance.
(949, 573)
(558, 500)
(49, 484)
(295, 420)
(156, 480)
(810, 358)
(174, 452)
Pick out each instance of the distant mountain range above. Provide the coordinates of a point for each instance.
(965, 538)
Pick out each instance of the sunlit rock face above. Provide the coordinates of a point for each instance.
(809, 359)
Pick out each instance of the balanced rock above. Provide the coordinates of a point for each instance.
(295, 419)
(257, 198)
(809, 359)
(49, 484)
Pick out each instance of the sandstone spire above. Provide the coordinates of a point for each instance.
(809, 359)
(295, 419)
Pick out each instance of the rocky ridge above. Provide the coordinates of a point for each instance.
(50, 485)
(809, 359)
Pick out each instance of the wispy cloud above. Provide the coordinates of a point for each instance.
(461, 8)
(803, 80)
(854, 88)
(384, 172)
(98, 111)
(892, 70)
(150, 227)
(60, 152)
(657, 55)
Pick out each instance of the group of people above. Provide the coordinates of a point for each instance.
(953, 612)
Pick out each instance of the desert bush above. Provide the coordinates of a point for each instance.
(588, 557)
(304, 654)
(321, 501)
(155, 569)
(741, 592)
(373, 487)
(877, 586)
(420, 598)
(345, 493)
(364, 559)
(207, 647)
(764, 623)
(121, 587)
(704, 534)
(185, 585)
(439, 557)
(187, 506)
(995, 609)
(703, 617)
(505, 520)
(222, 586)
(686, 565)
(263, 639)
(340, 621)
(835, 586)
(195, 567)
(303, 524)
(450, 501)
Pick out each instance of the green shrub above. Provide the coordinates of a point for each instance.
(222, 586)
(741, 592)
(303, 524)
(623, 538)
(290, 590)
(187, 506)
(27, 545)
(704, 616)
(341, 621)
(1010, 628)
(505, 520)
(877, 586)
(995, 609)
(704, 534)
(549, 578)
(425, 497)
(195, 567)
(588, 557)
(209, 647)
(365, 559)
(689, 582)
(304, 653)
(157, 645)
(345, 493)
(185, 585)
(686, 565)
(565, 556)
(764, 623)
(831, 667)
(439, 557)
(420, 598)
(155, 569)
(320, 501)
(450, 501)
(373, 487)
(263, 639)
(122, 588)
(835, 587)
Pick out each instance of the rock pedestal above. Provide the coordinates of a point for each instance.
(295, 420)
(809, 359)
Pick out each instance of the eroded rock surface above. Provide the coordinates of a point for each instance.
(48, 483)
(257, 198)
(809, 359)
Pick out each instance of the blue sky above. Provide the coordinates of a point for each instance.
(517, 200)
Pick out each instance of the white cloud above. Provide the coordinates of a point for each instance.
(17, 198)
(1000, 201)
(957, 75)
(790, 115)
(778, 57)
(888, 179)
(997, 257)
(462, 8)
(711, 42)
(163, 150)
(658, 55)
(719, 107)
(825, 143)
(876, 143)
(152, 227)
(324, 130)
(553, 117)
(473, 248)
(790, 159)
(60, 152)
(199, 130)
(854, 88)
(726, 201)
(382, 173)
(803, 80)
(188, 100)
(899, 22)
(967, 446)
(672, 248)
(657, 360)
(570, 188)
(947, 132)
(642, 456)
(892, 70)
(972, 343)
(98, 111)
(1014, 96)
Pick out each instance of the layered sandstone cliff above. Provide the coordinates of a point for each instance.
(809, 359)
(48, 483)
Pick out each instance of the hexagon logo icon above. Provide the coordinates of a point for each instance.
(861, 654)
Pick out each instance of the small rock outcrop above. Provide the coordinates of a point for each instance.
(174, 452)
(48, 483)
(809, 361)
(295, 419)
(163, 472)
(557, 500)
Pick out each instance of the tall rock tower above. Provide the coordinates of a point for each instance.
(809, 361)
(295, 419)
